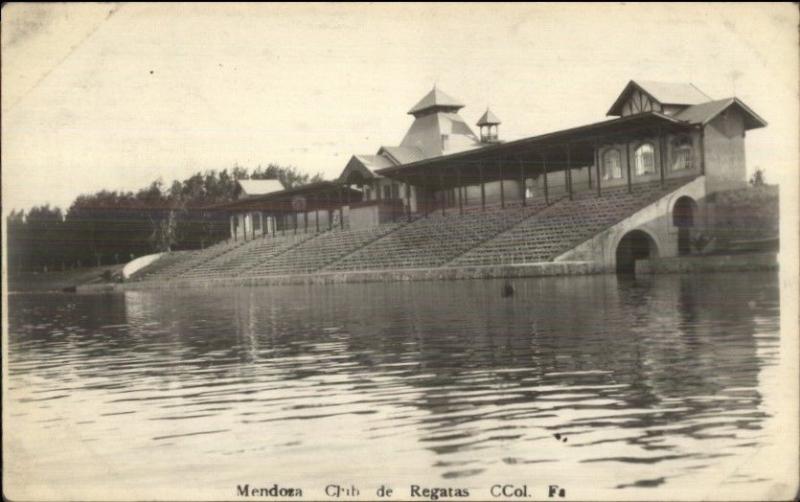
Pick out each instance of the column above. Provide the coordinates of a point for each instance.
(544, 169)
(597, 161)
(328, 210)
(427, 201)
(483, 188)
(522, 183)
(460, 188)
(441, 191)
(628, 165)
(408, 200)
(341, 209)
(702, 151)
(661, 155)
(569, 171)
(502, 185)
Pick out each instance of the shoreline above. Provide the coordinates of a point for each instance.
(688, 264)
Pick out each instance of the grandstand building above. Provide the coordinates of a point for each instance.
(640, 184)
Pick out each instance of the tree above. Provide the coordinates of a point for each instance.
(106, 226)
(757, 179)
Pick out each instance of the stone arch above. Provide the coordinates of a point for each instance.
(634, 245)
(684, 215)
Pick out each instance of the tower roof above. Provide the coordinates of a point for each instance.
(488, 118)
(435, 101)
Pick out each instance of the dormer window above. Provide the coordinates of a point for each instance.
(644, 159)
(682, 153)
(612, 167)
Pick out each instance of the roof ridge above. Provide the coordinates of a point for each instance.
(701, 91)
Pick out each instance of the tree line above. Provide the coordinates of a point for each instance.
(113, 227)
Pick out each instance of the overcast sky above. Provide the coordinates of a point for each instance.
(116, 95)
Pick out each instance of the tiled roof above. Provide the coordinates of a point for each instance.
(672, 93)
(706, 112)
(402, 154)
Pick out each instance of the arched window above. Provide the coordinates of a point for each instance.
(682, 153)
(644, 159)
(612, 167)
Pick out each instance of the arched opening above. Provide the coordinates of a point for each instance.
(683, 217)
(635, 245)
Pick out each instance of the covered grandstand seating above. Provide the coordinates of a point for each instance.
(435, 240)
(562, 226)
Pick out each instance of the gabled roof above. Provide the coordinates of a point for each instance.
(488, 118)
(374, 161)
(666, 93)
(706, 112)
(365, 165)
(360, 164)
(259, 187)
(436, 100)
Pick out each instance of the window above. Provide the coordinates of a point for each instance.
(387, 192)
(612, 168)
(644, 159)
(681, 153)
(367, 193)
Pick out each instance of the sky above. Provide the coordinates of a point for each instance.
(114, 96)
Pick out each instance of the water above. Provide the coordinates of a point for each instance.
(664, 387)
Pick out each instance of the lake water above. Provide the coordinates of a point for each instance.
(662, 387)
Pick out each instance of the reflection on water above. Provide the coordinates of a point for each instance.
(637, 383)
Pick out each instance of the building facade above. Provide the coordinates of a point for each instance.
(658, 133)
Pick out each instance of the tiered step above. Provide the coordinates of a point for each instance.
(563, 226)
(193, 259)
(314, 254)
(246, 256)
(435, 240)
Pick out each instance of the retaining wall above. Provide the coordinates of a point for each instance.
(721, 263)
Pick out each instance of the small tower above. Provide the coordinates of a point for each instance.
(488, 124)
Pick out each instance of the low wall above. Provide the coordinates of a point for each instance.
(139, 263)
(721, 263)
(421, 274)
